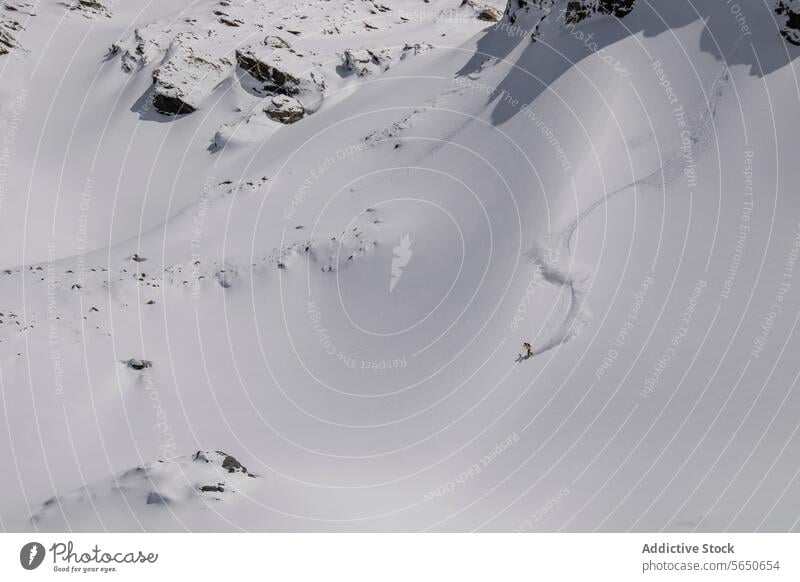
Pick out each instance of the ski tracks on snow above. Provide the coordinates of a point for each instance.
(554, 258)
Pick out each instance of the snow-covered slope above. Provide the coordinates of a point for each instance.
(339, 302)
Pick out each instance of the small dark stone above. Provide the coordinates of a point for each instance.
(139, 364)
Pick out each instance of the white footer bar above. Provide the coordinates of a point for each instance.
(401, 557)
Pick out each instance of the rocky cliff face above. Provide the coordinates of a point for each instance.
(90, 8)
(12, 15)
(578, 10)
(575, 11)
(8, 30)
(788, 12)
(271, 52)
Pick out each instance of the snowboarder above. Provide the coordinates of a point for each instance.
(527, 347)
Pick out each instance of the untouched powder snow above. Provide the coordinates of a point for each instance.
(315, 236)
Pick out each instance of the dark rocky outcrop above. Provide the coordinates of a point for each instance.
(187, 75)
(90, 8)
(285, 109)
(170, 104)
(173, 483)
(579, 10)
(283, 71)
(489, 14)
(789, 11)
(135, 364)
(482, 11)
(228, 462)
(8, 34)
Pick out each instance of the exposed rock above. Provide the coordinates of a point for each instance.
(366, 61)
(516, 8)
(228, 20)
(277, 42)
(573, 12)
(142, 48)
(483, 11)
(26, 7)
(166, 102)
(203, 47)
(410, 50)
(223, 279)
(490, 14)
(285, 109)
(135, 364)
(283, 70)
(153, 497)
(231, 464)
(789, 11)
(8, 33)
(90, 8)
(579, 10)
(358, 61)
(187, 75)
(182, 480)
(228, 462)
(393, 131)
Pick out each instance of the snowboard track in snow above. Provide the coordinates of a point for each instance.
(570, 317)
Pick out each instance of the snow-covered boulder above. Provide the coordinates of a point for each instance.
(261, 122)
(367, 61)
(490, 14)
(483, 11)
(187, 75)
(144, 47)
(90, 8)
(364, 61)
(136, 364)
(282, 70)
(410, 50)
(206, 476)
(284, 109)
